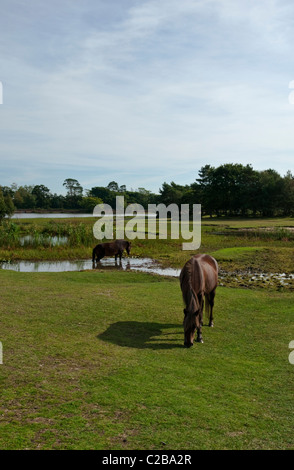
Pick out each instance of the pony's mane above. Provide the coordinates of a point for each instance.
(191, 281)
(191, 284)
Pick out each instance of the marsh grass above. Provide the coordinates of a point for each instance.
(14, 235)
(266, 233)
(252, 244)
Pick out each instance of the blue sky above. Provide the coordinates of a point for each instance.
(143, 92)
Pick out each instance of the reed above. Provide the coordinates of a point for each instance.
(9, 234)
(13, 235)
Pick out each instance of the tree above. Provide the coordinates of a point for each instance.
(230, 189)
(73, 187)
(74, 193)
(288, 194)
(171, 193)
(6, 205)
(42, 194)
(113, 186)
(57, 201)
(141, 196)
(89, 202)
(107, 196)
(270, 195)
(204, 189)
(24, 198)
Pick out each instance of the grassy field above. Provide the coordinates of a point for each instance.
(95, 359)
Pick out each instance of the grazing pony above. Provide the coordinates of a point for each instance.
(114, 248)
(198, 279)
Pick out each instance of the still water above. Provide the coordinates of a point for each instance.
(51, 215)
(148, 265)
(128, 264)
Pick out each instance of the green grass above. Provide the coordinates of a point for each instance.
(252, 222)
(232, 253)
(95, 360)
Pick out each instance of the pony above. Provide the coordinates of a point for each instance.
(198, 279)
(115, 248)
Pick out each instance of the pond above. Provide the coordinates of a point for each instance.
(45, 240)
(51, 215)
(128, 264)
(246, 279)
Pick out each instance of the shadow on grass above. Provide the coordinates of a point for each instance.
(144, 335)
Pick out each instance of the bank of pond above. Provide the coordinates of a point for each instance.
(245, 279)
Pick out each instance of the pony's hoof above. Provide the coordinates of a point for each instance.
(211, 325)
(188, 345)
(200, 340)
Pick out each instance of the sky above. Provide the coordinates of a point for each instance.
(143, 91)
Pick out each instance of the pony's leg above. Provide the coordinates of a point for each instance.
(199, 338)
(199, 320)
(201, 303)
(100, 256)
(211, 304)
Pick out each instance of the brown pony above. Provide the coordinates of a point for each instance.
(198, 279)
(115, 248)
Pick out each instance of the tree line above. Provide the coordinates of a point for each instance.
(226, 190)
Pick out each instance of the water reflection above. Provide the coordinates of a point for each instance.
(51, 215)
(127, 264)
(148, 265)
(45, 240)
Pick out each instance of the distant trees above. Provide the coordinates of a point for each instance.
(227, 190)
(234, 189)
(23, 198)
(88, 203)
(42, 196)
(108, 194)
(6, 204)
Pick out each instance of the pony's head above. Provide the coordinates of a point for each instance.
(190, 323)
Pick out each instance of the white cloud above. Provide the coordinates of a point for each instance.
(152, 93)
